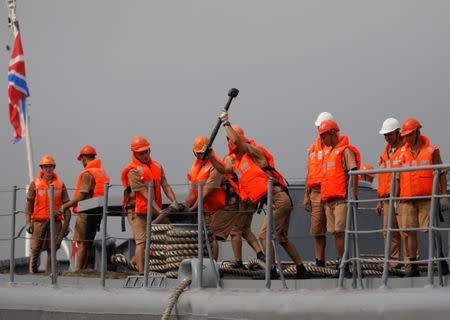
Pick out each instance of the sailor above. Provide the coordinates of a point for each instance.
(342, 158)
(311, 199)
(242, 227)
(37, 211)
(414, 213)
(219, 220)
(141, 170)
(368, 177)
(90, 184)
(389, 158)
(253, 171)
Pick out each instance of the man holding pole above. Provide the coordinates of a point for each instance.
(253, 172)
(90, 184)
(135, 177)
(37, 212)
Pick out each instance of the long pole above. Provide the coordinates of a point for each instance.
(269, 233)
(149, 232)
(53, 234)
(13, 235)
(104, 232)
(200, 234)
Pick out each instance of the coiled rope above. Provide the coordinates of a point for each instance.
(174, 298)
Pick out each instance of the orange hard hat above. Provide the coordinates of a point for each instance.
(199, 143)
(139, 144)
(367, 167)
(328, 125)
(88, 151)
(410, 125)
(47, 160)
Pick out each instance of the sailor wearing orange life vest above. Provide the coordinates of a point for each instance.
(242, 227)
(311, 200)
(37, 209)
(389, 158)
(219, 220)
(342, 158)
(90, 184)
(252, 184)
(418, 151)
(141, 170)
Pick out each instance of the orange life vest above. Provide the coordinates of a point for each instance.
(41, 210)
(252, 179)
(94, 168)
(199, 172)
(149, 172)
(417, 183)
(316, 154)
(334, 182)
(384, 179)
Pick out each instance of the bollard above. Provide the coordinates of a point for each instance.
(104, 226)
(54, 276)
(269, 233)
(149, 232)
(13, 235)
(200, 233)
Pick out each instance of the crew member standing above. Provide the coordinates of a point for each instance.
(418, 151)
(311, 200)
(217, 216)
(389, 158)
(90, 184)
(141, 170)
(342, 158)
(252, 184)
(37, 211)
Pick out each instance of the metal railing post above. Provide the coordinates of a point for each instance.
(200, 233)
(269, 232)
(387, 245)
(346, 239)
(53, 234)
(210, 254)
(104, 226)
(356, 245)
(13, 234)
(149, 232)
(431, 228)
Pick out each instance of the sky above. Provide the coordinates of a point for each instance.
(100, 72)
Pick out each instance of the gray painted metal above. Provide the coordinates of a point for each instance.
(269, 233)
(200, 221)
(149, 232)
(13, 234)
(104, 232)
(54, 275)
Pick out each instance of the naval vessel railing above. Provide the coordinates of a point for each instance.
(352, 232)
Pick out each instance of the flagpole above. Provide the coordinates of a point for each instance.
(13, 22)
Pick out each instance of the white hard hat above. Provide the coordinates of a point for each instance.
(390, 125)
(322, 117)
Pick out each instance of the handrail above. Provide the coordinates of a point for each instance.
(402, 169)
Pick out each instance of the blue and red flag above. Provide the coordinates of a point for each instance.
(17, 90)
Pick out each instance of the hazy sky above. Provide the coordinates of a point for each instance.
(100, 72)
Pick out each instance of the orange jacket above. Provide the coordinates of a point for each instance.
(94, 168)
(334, 183)
(149, 172)
(417, 183)
(384, 180)
(252, 179)
(316, 154)
(41, 210)
(199, 172)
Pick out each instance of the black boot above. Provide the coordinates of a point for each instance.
(444, 267)
(302, 273)
(320, 263)
(413, 269)
(274, 274)
(260, 255)
(239, 265)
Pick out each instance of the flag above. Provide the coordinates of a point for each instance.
(17, 90)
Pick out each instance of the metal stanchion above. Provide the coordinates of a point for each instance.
(104, 225)
(269, 233)
(13, 235)
(430, 228)
(54, 276)
(387, 245)
(149, 232)
(200, 233)
(346, 241)
(356, 243)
